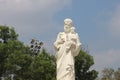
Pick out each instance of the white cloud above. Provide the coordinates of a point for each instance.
(32, 5)
(15, 5)
(32, 18)
(115, 22)
(107, 59)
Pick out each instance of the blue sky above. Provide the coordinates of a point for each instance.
(97, 23)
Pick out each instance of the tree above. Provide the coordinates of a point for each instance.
(110, 74)
(6, 34)
(16, 58)
(83, 62)
(14, 55)
(107, 74)
(44, 67)
(117, 74)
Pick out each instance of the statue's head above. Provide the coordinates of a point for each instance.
(67, 25)
(73, 30)
(68, 21)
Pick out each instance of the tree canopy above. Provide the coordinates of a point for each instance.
(83, 62)
(110, 74)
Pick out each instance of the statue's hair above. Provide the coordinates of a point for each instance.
(68, 19)
(73, 28)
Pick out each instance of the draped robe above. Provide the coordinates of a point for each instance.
(67, 47)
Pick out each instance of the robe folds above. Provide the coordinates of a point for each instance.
(67, 47)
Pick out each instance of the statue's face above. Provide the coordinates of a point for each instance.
(67, 29)
(68, 23)
(67, 26)
(72, 30)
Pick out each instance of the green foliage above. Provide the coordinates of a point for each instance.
(14, 56)
(7, 33)
(117, 74)
(43, 67)
(110, 74)
(83, 62)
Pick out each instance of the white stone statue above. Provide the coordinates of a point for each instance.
(67, 46)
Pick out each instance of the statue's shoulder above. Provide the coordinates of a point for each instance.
(61, 33)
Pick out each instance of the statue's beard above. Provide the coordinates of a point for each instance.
(67, 31)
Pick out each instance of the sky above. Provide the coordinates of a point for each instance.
(96, 21)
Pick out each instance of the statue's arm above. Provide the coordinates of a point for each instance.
(78, 46)
(58, 42)
(78, 41)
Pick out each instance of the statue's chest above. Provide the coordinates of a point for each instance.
(66, 37)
